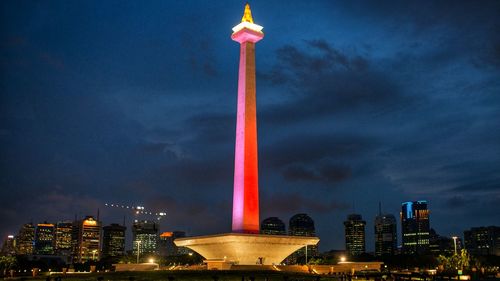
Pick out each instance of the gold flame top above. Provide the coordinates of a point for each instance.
(247, 15)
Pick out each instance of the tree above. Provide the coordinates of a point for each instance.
(7, 263)
(455, 262)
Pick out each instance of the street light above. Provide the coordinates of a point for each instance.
(455, 243)
(138, 249)
(342, 259)
(151, 260)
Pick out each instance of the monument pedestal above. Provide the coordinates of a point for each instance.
(244, 249)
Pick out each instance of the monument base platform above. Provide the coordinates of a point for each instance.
(223, 250)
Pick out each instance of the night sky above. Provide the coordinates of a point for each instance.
(358, 102)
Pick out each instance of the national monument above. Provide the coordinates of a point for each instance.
(244, 245)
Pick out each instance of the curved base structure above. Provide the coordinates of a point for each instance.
(245, 249)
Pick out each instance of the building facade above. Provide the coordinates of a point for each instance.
(167, 246)
(483, 241)
(145, 237)
(273, 226)
(442, 245)
(302, 225)
(113, 241)
(8, 246)
(415, 227)
(386, 241)
(63, 238)
(86, 239)
(25, 240)
(45, 239)
(355, 235)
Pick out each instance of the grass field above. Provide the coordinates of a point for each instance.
(218, 275)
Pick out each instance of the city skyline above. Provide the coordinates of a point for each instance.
(120, 103)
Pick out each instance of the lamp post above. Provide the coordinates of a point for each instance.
(455, 243)
(306, 254)
(138, 249)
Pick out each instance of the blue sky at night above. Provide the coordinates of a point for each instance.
(358, 102)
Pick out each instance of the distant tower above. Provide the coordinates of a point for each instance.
(415, 227)
(63, 237)
(355, 235)
(302, 225)
(385, 234)
(273, 226)
(246, 181)
(167, 246)
(480, 241)
(45, 239)
(145, 237)
(8, 247)
(86, 239)
(113, 241)
(25, 239)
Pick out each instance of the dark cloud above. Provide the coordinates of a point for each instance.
(292, 203)
(311, 148)
(326, 81)
(329, 173)
(200, 48)
(213, 127)
(201, 172)
(490, 185)
(459, 201)
(492, 54)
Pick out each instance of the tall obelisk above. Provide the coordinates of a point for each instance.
(244, 245)
(246, 179)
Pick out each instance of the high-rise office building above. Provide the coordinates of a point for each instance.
(181, 250)
(8, 247)
(113, 241)
(86, 239)
(167, 246)
(415, 227)
(45, 239)
(482, 241)
(442, 245)
(355, 235)
(145, 237)
(25, 239)
(386, 241)
(63, 238)
(302, 225)
(273, 226)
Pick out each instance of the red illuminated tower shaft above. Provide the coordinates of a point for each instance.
(246, 179)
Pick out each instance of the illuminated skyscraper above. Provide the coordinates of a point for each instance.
(45, 239)
(25, 240)
(386, 241)
(246, 180)
(415, 227)
(86, 239)
(113, 241)
(273, 226)
(145, 237)
(63, 237)
(355, 235)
